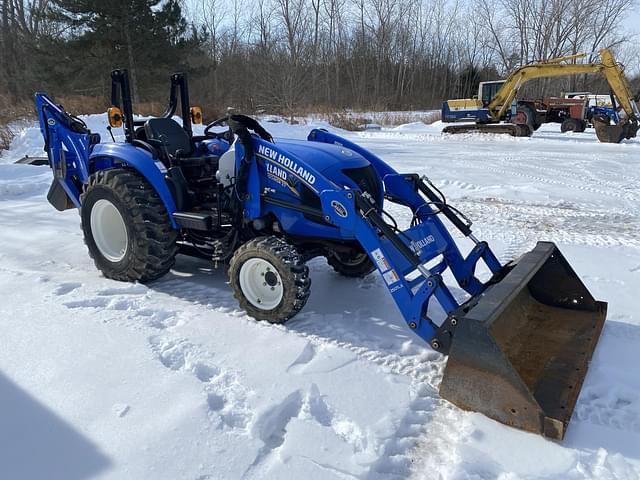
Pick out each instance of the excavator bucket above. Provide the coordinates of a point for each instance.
(521, 350)
(607, 133)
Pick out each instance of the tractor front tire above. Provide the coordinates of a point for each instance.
(355, 266)
(269, 279)
(573, 125)
(126, 227)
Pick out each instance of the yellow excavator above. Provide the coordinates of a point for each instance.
(496, 101)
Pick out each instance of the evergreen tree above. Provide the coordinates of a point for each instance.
(149, 37)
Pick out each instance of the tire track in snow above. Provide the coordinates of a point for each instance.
(577, 172)
(509, 166)
(548, 181)
(560, 223)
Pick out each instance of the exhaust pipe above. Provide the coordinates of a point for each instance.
(520, 350)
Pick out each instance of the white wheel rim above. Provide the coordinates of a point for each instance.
(109, 230)
(261, 284)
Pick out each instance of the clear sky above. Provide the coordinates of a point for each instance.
(632, 22)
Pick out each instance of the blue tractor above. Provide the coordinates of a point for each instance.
(519, 343)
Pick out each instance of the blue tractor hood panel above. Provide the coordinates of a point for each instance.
(323, 156)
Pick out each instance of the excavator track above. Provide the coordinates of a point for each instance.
(498, 128)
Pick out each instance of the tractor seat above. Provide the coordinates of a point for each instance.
(168, 133)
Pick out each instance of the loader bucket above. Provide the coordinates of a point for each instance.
(520, 351)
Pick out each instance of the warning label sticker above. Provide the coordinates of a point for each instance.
(382, 263)
(390, 277)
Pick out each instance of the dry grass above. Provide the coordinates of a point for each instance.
(85, 105)
(6, 135)
(355, 121)
(10, 112)
(347, 121)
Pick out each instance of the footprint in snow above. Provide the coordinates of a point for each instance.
(270, 425)
(66, 288)
(135, 309)
(120, 409)
(225, 397)
(133, 289)
(614, 408)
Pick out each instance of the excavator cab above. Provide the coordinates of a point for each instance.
(488, 90)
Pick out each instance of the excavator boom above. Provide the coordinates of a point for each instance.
(557, 67)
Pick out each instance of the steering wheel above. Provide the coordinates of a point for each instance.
(237, 123)
(217, 123)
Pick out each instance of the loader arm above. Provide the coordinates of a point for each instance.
(519, 343)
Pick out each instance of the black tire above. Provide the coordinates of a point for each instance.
(355, 266)
(531, 117)
(151, 240)
(522, 130)
(582, 126)
(292, 276)
(572, 125)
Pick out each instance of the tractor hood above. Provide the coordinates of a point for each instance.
(323, 156)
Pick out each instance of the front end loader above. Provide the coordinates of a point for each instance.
(519, 342)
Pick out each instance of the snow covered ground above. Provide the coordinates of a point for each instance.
(100, 379)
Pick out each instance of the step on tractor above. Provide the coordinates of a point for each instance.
(496, 110)
(519, 342)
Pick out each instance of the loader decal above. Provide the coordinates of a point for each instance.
(391, 277)
(288, 164)
(381, 261)
(418, 245)
(282, 178)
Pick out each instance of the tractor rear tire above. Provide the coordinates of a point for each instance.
(530, 116)
(355, 266)
(269, 279)
(126, 227)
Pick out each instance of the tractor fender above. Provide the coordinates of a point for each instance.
(152, 170)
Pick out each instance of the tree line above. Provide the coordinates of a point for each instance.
(292, 55)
